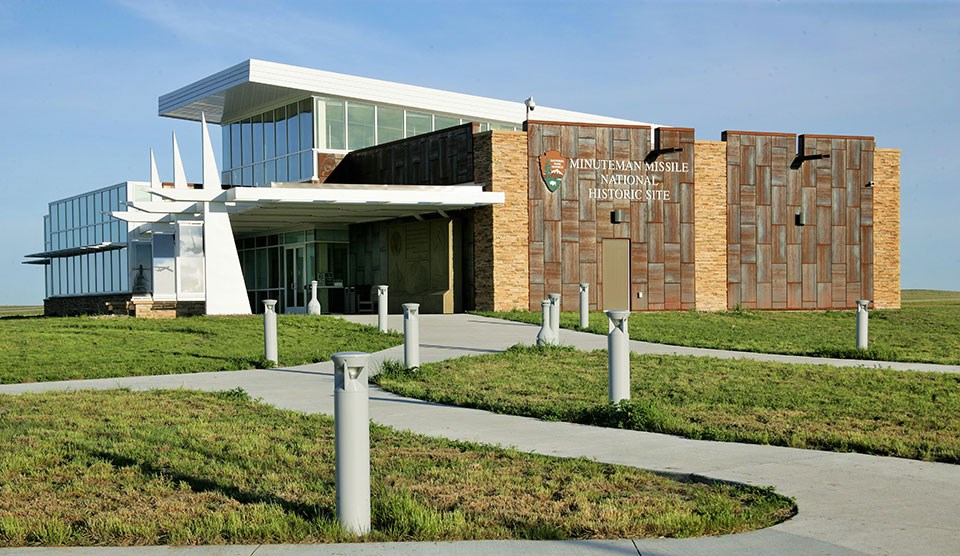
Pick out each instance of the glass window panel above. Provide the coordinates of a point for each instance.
(97, 207)
(164, 283)
(258, 175)
(62, 211)
(263, 269)
(225, 143)
(225, 178)
(389, 124)
(274, 258)
(69, 210)
(269, 136)
(418, 123)
(234, 146)
(270, 172)
(336, 125)
(306, 165)
(360, 125)
(190, 260)
(293, 167)
(279, 115)
(282, 169)
(124, 271)
(83, 236)
(82, 220)
(249, 264)
(123, 231)
(236, 178)
(257, 124)
(247, 175)
(293, 129)
(246, 142)
(443, 122)
(306, 124)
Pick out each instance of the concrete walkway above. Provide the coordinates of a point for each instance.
(848, 503)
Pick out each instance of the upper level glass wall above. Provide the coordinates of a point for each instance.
(280, 144)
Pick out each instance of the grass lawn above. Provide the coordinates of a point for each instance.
(926, 329)
(20, 310)
(904, 414)
(179, 467)
(64, 348)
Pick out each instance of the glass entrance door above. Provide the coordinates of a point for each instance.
(294, 279)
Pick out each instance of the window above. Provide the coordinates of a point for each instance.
(336, 125)
(225, 137)
(360, 125)
(306, 124)
(234, 146)
(418, 123)
(246, 142)
(443, 122)
(293, 129)
(280, 117)
(389, 124)
(269, 136)
(257, 123)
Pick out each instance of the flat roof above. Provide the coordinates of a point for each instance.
(244, 88)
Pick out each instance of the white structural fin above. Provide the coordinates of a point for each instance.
(179, 176)
(211, 174)
(226, 290)
(154, 174)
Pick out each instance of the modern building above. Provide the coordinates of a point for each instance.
(460, 202)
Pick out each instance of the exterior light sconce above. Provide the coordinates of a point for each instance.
(801, 158)
(616, 216)
(530, 104)
(869, 184)
(656, 153)
(801, 219)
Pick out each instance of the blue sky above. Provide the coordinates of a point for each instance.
(81, 82)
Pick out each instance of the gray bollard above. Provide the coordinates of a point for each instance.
(313, 308)
(382, 308)
(863, 317)
(351, 413)
(584, 306)
(545, 336)
(270, 331)
(411, 335)
(618, 356)
(555, 316)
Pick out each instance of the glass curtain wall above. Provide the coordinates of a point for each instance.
(278, 145)
(85, 221)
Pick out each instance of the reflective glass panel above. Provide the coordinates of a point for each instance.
(443, 122)
(258, 175)
(234, 145)
(246, 142)
(257, 138)
(360, 125)
(279, 115)
(389, 124)
(190, 260)
(293, 129)
(225, 144)
(282, 168)
(293, 167)
(269, 172)
(306, 124)
(269, 136)
(418, 123)
(306, 165)
(336, 125)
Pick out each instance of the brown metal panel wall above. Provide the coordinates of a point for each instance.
(567, 226)
(774, 263)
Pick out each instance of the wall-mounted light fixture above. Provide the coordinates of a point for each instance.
(869, 184)
(616, 216)
(801, 218)
(530, 104)
(801, 158)
(655, 153)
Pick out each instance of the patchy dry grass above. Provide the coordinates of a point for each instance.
(905, 414)
(123, 468)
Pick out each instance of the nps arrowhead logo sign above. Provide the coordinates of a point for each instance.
(552, 168)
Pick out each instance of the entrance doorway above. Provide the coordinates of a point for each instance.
(295, 279)
(616, 274)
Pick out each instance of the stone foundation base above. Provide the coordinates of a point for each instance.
(120, 304)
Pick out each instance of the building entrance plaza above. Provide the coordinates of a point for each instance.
(459, 202)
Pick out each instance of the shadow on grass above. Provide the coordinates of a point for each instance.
(197, 484)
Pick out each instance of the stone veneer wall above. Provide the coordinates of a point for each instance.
(85, 305)
(501, 231)
(710, 206)
(886, 229)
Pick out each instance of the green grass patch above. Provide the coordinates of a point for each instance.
(925, 330)
(904, 414)
(20, 310)
(179, 467)
(66, 348)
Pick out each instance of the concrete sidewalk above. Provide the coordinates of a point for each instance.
(848, 503)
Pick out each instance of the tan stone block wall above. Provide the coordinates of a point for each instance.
(710, 213)
(886, 229)
(501, 231)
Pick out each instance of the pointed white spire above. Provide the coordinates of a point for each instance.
(179, 176)
(154, 174)
(211, 174)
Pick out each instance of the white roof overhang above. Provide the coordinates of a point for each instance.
(253, 85)
(286, 205)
